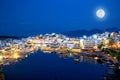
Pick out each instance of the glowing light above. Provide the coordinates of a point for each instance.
(114, 57)
(100, 13)
(96, 58)
(16, 56)
(107, 41)
(1, 57)
(95, 47)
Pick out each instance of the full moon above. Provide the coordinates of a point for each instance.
(100, 13)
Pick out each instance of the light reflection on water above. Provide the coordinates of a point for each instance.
(47, 66)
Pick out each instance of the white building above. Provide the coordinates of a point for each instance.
(89, 43)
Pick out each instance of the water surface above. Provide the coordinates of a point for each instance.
(50, 66)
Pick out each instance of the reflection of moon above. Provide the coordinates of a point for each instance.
(100, 13)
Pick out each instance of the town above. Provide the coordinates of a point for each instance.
(12, 50)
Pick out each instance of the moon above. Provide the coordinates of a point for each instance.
(100, 13)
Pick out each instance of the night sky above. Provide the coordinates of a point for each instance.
(31, 17)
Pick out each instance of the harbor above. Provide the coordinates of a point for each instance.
(13, 50)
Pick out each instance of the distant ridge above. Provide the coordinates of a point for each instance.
(79, 33)
(9, 37)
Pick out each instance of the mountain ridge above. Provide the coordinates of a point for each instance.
(79, 33)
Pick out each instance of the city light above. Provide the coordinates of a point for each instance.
(96, 58)
(16, 55)
(58, 44)
(1, 57)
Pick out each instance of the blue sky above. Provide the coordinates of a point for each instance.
(29, 17)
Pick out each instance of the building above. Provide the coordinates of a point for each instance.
(88, 44)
